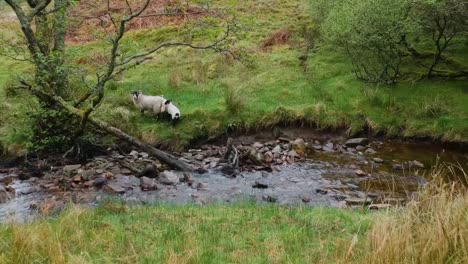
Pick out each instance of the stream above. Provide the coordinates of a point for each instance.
(329, 172)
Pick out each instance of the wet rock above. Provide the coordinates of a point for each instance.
(354, 142)
(321, 191)
(268, 157)
(360, 173)
(77, 179)
(70, 168)
(188, 178)
(378, 160)
(7, 179)
(360, 148)
(269, 198)
(148, 184)
(306, 199)
(277, 150)
(150, 172)
(299, 146)
(100, 181)
(134, 154)
(370, 151)
(398, 166)
(358, 201)
(5, 195)
(199, 157)
(168, 177)
(258, 145)
(317, 147)
(260, 185)
(292, 154)
(379, 206)
(115, 188)
(418, 164)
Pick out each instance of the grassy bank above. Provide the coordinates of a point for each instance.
(244, 233)
(433, 229)
(216, 94)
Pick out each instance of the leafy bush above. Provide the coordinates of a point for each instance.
(369, 32)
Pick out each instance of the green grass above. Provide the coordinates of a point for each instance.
(242, 233)
(275, 90)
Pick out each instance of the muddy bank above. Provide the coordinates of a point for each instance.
(297, 168)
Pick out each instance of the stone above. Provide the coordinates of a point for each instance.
(306, 199)
(258, 145)
(370, 151)
(360, 148)
(7, 179)
(88, 184)
(397, 166)
(134, 154)
(358, 201)
(199, 157)
(329, 145)
(260, 185)
(125, 171)
(70, 168)
(213, 164)
(255, 157)
(317, 147)
(354, 142)
(148, 184)
(144, 155)
(394, 201)
(379, 206)
(5, 195)
(100, 181)
(115, 188)
(201, 186)
(321, 191)
(418, 164)
(77, 179)
(188, 178)
(269, 198)
(292, 154)
(360, 173)
(168, 177)
(299, 146)
(378, 160)
(268, 157)
(277, 150)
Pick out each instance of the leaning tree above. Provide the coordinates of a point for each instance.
(44, 25)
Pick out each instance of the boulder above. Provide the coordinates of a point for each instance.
(277, 150)
(168, 177)
(5, 195)
(329, 145)
(268, 157)
(370, 151)
(70, 168)
(360, 173)
(378, 160)
(299, 146)
(100, 181)
(258, 145)
(354, 142)
(114, 188)
(148, 184)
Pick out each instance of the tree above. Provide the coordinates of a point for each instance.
(443, 20)
(44, 27)
(369, 32)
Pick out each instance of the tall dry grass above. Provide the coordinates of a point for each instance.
(433, 228)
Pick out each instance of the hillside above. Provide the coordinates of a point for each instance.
(291, 78)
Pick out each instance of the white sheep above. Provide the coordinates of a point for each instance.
(147, 102)
(172, 110)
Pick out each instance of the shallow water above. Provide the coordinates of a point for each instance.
(324, 179)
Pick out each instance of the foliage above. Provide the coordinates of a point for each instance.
(369, 31)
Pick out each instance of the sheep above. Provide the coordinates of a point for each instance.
(172, 110)
(147, 102)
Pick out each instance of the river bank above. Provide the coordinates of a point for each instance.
(301, 167)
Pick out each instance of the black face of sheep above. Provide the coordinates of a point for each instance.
(135, 94)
